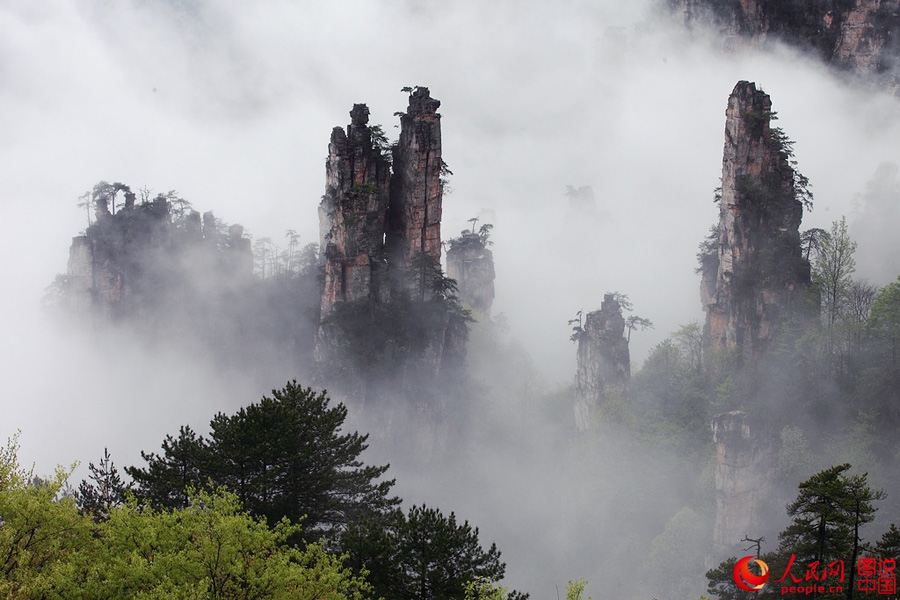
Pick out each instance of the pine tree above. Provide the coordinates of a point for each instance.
(284, 456)
(422, 555)
(167, 477)
(104, 490)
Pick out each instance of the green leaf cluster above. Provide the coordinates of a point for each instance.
(210, 549)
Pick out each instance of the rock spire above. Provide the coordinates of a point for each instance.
(416, 190)
(755, 278)
(604, 366)
(353, 212)
(376, 215)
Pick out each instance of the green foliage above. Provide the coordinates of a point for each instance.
(577, 326)
(833, 269)
(689, 339)
(168, 476)
(672, 396)
(380, 142)
(785, 147)
(884, 318)
(210, 549)
(883, 325)
(829, 510)
(284, 457)
(634, 322)
(429, 282)
(811, 241)
(10, 470)
(708, 255)
(104, 490)
(575, 589)
(480, 589)
(38, 532)
(423, 555)
(477, 240)
(889, 544)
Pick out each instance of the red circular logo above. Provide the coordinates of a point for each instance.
(746, 580)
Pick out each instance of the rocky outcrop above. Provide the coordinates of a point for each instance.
(376, 215)
(416, 189)
(754, 277)
(141, 260)
(604, 366)
(471, 264)
(353, 212)
(390, 330)
(745, 462)
(862, 36)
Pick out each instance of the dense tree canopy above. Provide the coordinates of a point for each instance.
(211, 549)
(422, 555)
(284, 456)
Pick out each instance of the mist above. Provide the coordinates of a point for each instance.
(232, 106)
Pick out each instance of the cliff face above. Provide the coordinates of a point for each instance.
(353, 213)
(604, 366)
(754, 278)
(862, 36)
(745, 459)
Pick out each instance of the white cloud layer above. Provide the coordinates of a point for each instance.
(231, 103)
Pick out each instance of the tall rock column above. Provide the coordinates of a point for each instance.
(604, 365)
(755, 283)
(353, 212)
(755, 277)
(416, 191)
